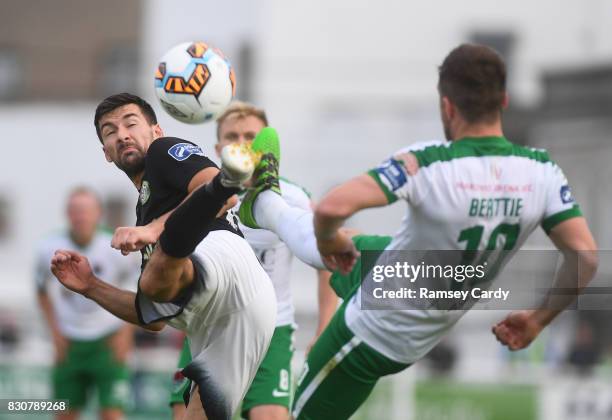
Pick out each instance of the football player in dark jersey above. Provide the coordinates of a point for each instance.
(198, 273)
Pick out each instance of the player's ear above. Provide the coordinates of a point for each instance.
(218, 149)
(106, 155)
(157, 131)
(447, 107)
(505, 100)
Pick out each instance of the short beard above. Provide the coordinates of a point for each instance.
(132, 167)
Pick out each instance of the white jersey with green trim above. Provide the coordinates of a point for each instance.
(80, 318)
(470, 194)
(275, 256)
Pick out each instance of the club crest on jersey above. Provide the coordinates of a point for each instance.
(391, 172)
(182, 151)
(566, 194)
(145, 193)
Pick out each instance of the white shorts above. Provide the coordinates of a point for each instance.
(229, 315)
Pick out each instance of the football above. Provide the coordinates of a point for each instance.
(194, 82)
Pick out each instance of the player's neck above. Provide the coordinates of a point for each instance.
(479, 130)
(137, 180)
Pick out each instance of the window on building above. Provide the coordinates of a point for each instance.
(53, 49)
(11, 74)
(118, 70)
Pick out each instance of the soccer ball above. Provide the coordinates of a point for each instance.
(194, 82)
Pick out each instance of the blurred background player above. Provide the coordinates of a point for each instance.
(270, 394)
(91, 345)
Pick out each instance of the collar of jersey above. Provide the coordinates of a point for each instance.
(488, 140)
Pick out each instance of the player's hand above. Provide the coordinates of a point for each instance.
(73, 271)
(338, 253)
(518, 330)
(134, 238)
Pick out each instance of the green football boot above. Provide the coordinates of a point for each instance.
(266, 147)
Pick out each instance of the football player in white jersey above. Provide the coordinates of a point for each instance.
(269, 396)
(91, 345)
(477, 193)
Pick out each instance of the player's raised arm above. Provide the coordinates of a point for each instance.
(580, 261)
(133, 238)
(395, 178)
(346, 199)
(74, 272)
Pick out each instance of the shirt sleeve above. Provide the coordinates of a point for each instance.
(175, 161)
(398, 176)
(393, 176)
(560, 203)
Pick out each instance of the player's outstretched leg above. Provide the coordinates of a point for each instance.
(265, 180)
(264, 208)
(339, 374)
(190, 222)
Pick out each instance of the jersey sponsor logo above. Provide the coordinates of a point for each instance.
(182, 151)
(392, 174)
(145, 192)
(566, 195)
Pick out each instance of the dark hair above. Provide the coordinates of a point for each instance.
(115, 101)
(473, 77)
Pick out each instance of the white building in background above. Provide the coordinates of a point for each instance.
(345, 82)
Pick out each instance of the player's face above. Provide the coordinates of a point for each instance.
(83, 215)
(126, 137)
(238, 130)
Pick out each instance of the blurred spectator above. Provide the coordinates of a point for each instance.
(91, 345)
